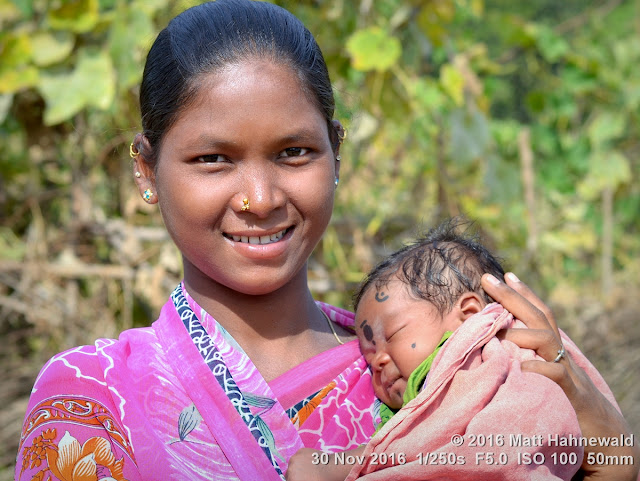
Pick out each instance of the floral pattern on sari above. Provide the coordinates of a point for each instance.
(69, 461)
(75, 410)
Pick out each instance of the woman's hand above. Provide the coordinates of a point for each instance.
(596, 415)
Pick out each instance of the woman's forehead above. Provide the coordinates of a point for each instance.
(257, 93)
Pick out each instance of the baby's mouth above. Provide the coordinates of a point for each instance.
(389, 385)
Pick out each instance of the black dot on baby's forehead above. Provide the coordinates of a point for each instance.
(413, 346)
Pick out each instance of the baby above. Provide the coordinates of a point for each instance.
(413, 300)
(406, 309)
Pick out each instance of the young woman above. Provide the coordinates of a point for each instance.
(241, 153)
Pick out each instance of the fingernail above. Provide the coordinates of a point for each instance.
(493, 280)
(512, 277)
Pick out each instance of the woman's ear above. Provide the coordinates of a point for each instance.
(340, 134)
(143, 171)
(469, 304)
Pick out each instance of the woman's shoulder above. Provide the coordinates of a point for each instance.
(86, 368)
(75, 403)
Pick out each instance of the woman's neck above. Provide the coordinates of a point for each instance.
(278, 330)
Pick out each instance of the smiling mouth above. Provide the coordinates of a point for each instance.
(258, 240)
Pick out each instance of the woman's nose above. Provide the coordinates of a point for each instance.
(263, 191)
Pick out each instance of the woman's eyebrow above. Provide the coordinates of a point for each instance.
(299, 136)
(205, 141)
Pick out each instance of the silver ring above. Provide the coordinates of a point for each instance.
(561, 353)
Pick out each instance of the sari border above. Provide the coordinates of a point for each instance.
(228, 429)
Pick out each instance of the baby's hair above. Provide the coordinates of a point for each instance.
(438, 267)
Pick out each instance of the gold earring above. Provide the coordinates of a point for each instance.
(138, 175)
(343, 136)
(132, 152)
(245, 205)
(147, 194)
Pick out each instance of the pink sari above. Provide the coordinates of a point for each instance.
(181, 400)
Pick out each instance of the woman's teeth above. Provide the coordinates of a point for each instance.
(265, 239)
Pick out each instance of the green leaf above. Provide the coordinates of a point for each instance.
(50, 48)
(62, 99)
(92, 83)
(25, 7)
(129, 37)
(605, 126)
(552, 46)
(373, 49)
(608, 169)
(97, 79)
(18, 79)
(15, 50)
(428, 94)
(452, 82)
(75, 15)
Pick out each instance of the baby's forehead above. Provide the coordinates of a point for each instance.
(389, 290)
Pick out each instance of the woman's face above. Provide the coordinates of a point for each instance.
(251, 133)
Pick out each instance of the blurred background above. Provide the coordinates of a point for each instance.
(523, 116)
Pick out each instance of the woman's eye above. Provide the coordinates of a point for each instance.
(210, 159)
(294, 152)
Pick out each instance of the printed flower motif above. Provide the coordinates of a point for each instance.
(33, 455)
(89, 462)
(189, 420)
(306, 410)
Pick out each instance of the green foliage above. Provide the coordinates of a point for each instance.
(436, 95)
(373, 49)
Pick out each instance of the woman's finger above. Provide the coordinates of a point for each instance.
(543, 341)
(524, 290)
(516, 302)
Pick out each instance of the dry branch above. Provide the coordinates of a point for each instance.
(74, 271)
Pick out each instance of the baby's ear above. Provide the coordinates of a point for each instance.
(469, 304)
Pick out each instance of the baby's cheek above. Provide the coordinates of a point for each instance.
(377, 386)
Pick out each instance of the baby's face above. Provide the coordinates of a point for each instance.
(396, 333)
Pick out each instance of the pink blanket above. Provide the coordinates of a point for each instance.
(480, 417)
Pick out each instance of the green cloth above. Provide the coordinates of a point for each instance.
(414, 383)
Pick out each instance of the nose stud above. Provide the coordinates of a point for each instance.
(245, 205)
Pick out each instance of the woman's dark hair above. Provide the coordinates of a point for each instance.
(205, 38)
(438, 267)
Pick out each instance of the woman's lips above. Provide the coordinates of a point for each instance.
(258, 240)
(264, 247)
